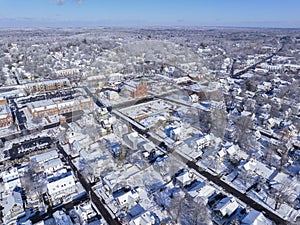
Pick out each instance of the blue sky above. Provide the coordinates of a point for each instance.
(61, 13)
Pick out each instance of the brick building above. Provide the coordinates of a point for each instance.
(49, 85)
(6, 118)
(57, 107)
(137, 89)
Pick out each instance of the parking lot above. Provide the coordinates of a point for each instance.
(18, 150)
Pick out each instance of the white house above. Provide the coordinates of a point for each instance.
(85, 212)
(143, 219)
(53, 165)
(61, 218)
(226, 207)
(185, 178)
(61, 188)
(127, 198)
(255, 167)
(132, 140)
(256, 218)
(43, 157)
(176, 133)
(11, 178)
(12, 208)
(203, 142)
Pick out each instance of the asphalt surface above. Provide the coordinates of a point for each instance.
(18, 150)
(238, 74)
(19, 116)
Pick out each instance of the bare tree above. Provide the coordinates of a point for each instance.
(187, 210)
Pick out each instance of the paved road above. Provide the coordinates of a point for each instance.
(96, 100)
(95, 199)
(238, 74)
(21, 120)
(238, 194)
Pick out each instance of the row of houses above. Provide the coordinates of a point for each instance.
(61, 183)
(50, 85)
(52, 107)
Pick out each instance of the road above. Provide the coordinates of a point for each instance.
(238, 74)
(94, 198)
(19, 116)
(237, 194)
(96, 100)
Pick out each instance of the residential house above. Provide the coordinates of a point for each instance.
(132, 140)
(43, 157)
(61, 188)
(176, 133)
(52, 166)
(256, 218)
(85, 213)
(57, 107)
(50, 85)
(258, 168)
(67, 72)
(12, 208)
(61, 218)
(185, 178)
(203, 141)
(120, 129)
(139, 216)
(125, 197)
(226, 207)
(11, 178)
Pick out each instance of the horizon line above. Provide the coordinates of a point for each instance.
(148, 26)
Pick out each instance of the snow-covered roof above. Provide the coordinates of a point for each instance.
(143, 219)
(185, 178)
(52, 163)
(61, 218)
(259, 168)
(60, 185)
(9, 205)
(4, 111)
(10, 174)
(43, 157)
(227, 206)
(47, 82)
(127, 198)
(256, 218)
(206, 191)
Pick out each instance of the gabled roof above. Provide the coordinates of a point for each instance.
(256, 218)
(259, 168)
(44, 156)
(184, 178)
(226, 206)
